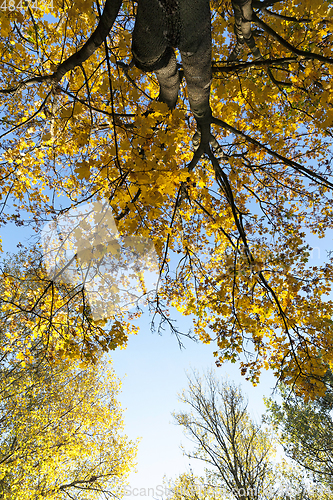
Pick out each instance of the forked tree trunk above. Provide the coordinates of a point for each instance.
(161, 26)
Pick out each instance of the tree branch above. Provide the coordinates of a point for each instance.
(285, 18)
(262, 5)
(229, 68)
(104, 26)
(313, 176)
(287, 45)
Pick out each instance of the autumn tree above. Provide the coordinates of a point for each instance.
(238, 453)
(228, 214)
(61, 430)
(53, 315)
(305, 430)
(236, 450)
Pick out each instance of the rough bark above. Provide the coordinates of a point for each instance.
(162, 26)
(243, 13)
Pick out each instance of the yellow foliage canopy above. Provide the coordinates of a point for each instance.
(61, 431)
(235, 223)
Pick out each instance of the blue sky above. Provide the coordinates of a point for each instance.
(155, 372)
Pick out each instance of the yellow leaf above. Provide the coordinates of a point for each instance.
(83, 170)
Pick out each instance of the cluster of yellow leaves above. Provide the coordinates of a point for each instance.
(100, 135)
(55, 313)
(61, 431)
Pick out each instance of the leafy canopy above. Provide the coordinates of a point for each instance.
(305, 430)
(61, 431)
(229, 228)
(239, 453)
